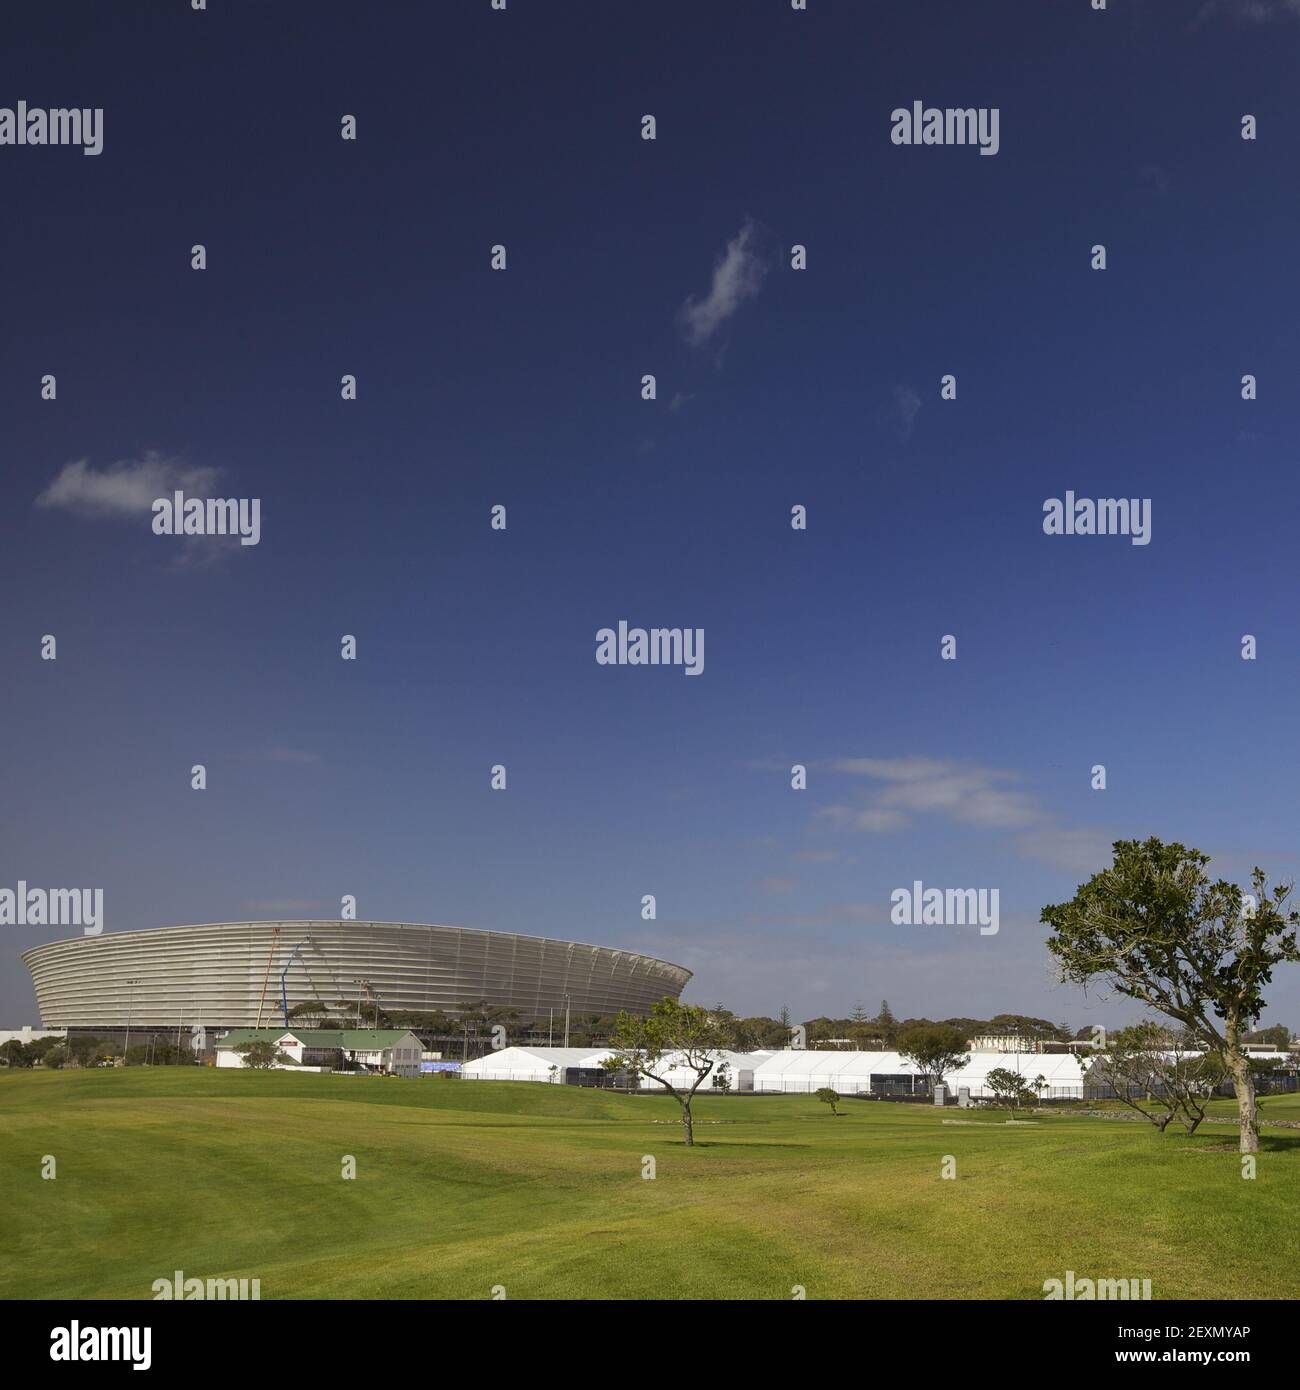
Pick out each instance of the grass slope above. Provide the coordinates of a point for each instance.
(465, 1185)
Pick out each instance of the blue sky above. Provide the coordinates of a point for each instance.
(819, 387)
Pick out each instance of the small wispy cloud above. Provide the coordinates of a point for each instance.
(738, 275)
(289, 755)
(279, 905)
(907, 406)
(775, 884)
(124, 489)
(1082, 851)
(909, 790)
(1153, 176)
(963, 792)
(278, 753)
(1248, 11)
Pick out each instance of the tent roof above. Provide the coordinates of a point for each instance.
(1059, 1068)
(534, 1058)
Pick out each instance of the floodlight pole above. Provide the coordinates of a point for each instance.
(566, 1020)
(130, 1002)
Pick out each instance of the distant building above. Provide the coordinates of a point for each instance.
(1003, 1042)
(393, 1050)
(251, 974)
(28, 1034)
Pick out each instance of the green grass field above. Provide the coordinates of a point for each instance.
(465, 1185)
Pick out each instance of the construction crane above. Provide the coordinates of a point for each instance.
(284, 997)
(367, 996)
(270, 956)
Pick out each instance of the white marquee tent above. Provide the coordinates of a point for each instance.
(533, 1063)
(801, 1072)
(887, 1072)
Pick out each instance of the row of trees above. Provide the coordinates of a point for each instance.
(1154, 928)
(92, 1052)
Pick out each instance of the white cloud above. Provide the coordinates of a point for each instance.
(816, 856)
(1249, 11)
(737, 276)
(775, 884)
(873, 819)
(1083, 851)
(910, 789)
(932, 786)
(124, 489)
(907, 404)
(289, 755)
(282, 904)
(279, 753)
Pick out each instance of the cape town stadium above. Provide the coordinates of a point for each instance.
(244, 974)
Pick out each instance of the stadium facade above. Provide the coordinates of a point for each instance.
(243, 974)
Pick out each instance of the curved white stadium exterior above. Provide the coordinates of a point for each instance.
(225, 974)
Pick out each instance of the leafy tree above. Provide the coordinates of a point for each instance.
(16, 1054)
(261, 1054)
(678, 1046)
(858, 1013)
(934, 1050)
(87, 1052)
(38, 1047)
(1011, 1090)
(886, 1023)
(1034, 1029)
(829, 1096)
(1152, 1070)
(1154, 927)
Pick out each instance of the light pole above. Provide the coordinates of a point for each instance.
(130, 1002)
(566, 1020)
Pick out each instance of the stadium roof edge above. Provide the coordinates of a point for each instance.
(338, 921)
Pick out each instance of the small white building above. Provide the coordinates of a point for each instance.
(28, 1034)
(392, 1050)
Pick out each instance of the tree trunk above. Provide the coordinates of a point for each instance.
(686, 1122)
(1244, 1086)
